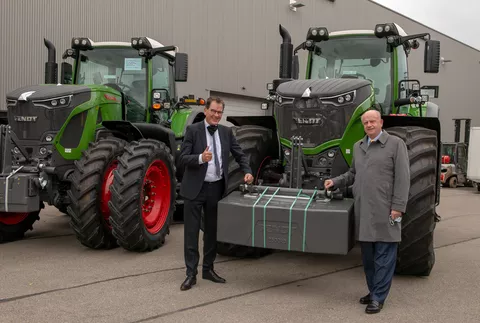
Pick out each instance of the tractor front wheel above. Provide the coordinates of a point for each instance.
(143, 195)
(256, 141)
(14, 225)
(416, 255)
(90, 192)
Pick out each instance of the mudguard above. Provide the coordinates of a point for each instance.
(135, 131)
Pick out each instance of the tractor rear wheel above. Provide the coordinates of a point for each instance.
(143, 195)
(255, 142)
(14, 225)
(416, 255)
(90, 192)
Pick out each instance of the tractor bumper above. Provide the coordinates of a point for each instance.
(287, 219)
(19, 192)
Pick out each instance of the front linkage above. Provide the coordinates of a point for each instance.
(23, 177)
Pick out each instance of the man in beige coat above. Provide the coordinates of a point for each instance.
(380, 174)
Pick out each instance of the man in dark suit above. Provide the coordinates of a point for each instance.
(204, 157)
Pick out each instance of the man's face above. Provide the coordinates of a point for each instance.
(372, 123)
(214, 113)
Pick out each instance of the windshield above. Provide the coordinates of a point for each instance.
(120, 66)
(355, 57)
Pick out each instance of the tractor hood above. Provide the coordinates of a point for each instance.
(44, 92)
(320, 88)
(319, 110)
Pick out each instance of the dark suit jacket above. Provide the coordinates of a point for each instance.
(194, 144)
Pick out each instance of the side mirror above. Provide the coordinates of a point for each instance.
(181, 67)
(295, 67)
(66, 72)
(431, 61)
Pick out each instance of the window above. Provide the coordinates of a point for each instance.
(362, 57)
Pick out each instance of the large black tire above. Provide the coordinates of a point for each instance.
(89, 196)
(13, 230)
(144, 163)
(256, 142)
(416, 255)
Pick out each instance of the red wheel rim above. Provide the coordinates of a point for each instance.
(156, 196)
(12, 218)
(105, 193)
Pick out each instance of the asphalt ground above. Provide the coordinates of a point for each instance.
(50, 277)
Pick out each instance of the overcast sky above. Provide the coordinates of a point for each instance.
(453, 18)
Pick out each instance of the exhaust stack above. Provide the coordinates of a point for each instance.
(286, 52)
(51, 67)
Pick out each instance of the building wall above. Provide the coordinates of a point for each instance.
(233, 46)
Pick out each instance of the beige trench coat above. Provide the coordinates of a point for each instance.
(380, 174)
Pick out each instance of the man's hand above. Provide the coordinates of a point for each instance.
(328, 183)
(395, 214)
(248, 178)
(206, 155)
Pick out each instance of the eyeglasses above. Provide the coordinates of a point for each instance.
(216, 112)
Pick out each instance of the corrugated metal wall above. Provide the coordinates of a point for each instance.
(233, 45)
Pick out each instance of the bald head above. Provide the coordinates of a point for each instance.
(372, 114)
(372, 123)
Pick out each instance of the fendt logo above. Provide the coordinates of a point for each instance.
(309, 121)
(25, 118)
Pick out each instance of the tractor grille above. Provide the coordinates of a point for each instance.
(30, 122)
(314, 121)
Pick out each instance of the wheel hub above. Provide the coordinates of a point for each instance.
(12, 218)
(105, 193)
(156, 196)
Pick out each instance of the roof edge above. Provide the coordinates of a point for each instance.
(415, 21)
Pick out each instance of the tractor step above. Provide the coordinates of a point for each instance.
(287, 219)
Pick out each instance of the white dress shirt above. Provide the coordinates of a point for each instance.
(211, 175)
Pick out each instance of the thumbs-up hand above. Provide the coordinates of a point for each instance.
(206, 155)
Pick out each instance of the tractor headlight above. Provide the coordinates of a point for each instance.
(341, 99)
(141, 42)
(317, 34)
(385, 30)
(81, 43)
(60, 102)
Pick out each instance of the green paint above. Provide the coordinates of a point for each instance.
(179, 121)
(98, 103)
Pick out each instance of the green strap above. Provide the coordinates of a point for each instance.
(290, 219)
(264, 219)
(305, 220)
(253, 215)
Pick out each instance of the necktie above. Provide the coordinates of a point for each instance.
(211, 130)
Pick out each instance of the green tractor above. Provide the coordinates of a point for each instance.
(101, 146)
(309, 136)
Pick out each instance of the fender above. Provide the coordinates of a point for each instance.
(136, 131)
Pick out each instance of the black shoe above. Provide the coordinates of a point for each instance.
(374, 307)
(188, 283)
(365, 299)
(211, 275)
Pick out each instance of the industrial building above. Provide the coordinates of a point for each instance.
(233, 45)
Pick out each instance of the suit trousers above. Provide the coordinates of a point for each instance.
(207, 199)
(379, 260)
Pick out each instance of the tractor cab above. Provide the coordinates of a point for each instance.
(120, 66)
